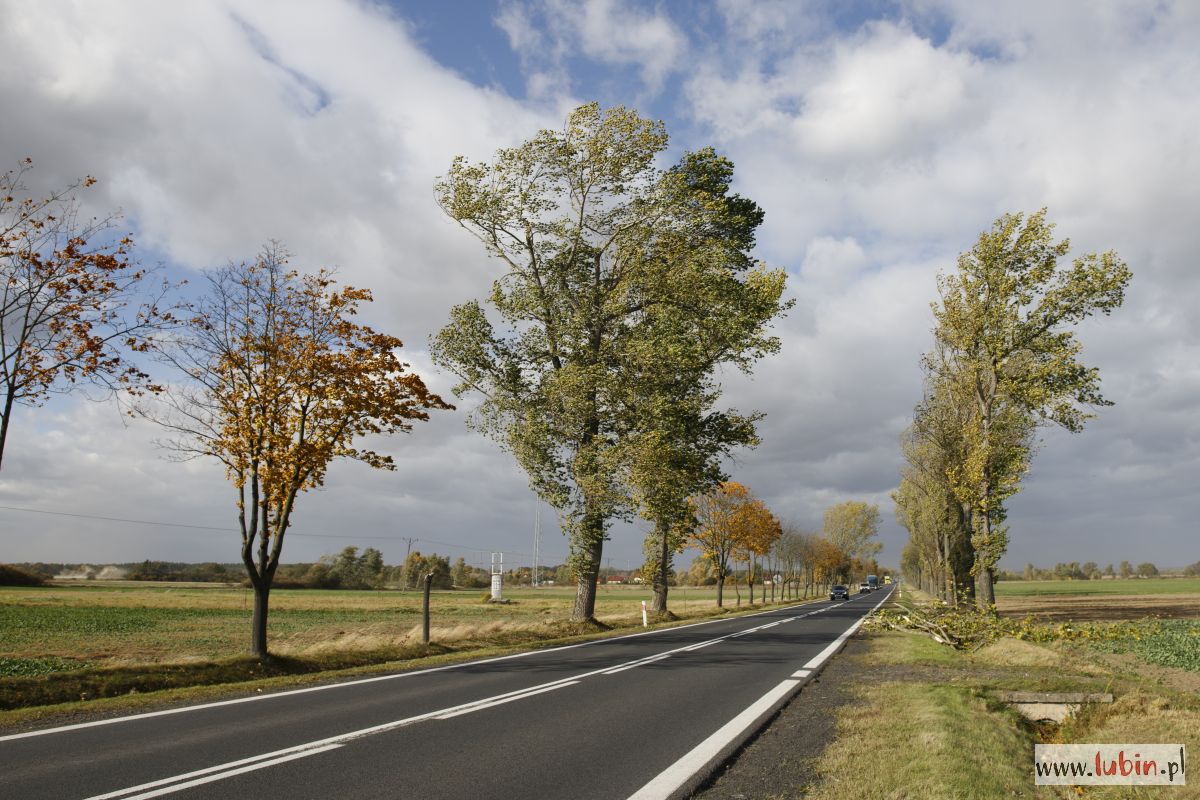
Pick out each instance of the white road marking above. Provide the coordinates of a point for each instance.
(489, 704)
(674, 776)
(821, 657)
(231, 768)
(274, 695)
(669, 780)
(223, 775)
(642, 662)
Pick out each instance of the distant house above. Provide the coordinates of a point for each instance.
(616, 579)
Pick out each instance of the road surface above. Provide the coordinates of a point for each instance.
(639, 716)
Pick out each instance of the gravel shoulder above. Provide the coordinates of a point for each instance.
(780, 761)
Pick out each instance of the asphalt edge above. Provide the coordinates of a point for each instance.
(700, 778)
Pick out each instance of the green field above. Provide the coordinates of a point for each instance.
(59, 628)
(119, 641)
(1121, 586)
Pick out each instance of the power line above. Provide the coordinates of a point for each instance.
(114, 519)
(355, 537)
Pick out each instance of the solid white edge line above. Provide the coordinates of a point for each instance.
(820, 658)
(360, 681)
(675, 775)
(669, 780)
(446, 713)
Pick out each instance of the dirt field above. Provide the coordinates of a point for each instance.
(1098, 608)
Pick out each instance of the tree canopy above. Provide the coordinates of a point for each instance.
(623, 287)
(279, 380)
(1006, 360)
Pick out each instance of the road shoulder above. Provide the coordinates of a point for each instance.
(780, 761)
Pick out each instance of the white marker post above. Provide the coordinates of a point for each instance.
(645, 622)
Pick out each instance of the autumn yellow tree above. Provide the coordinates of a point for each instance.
(279, 381)
(757, 530)
(68, 299)
(830, 562)
(1006, 341)
(853, 526)
(730, 521)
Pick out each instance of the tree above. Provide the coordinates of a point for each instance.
(417, 566)
(68, 314)
(1147, 570)
(279, 381)
(1004, 330)
(599, 249)
(700, 573)
(853, 526)
(926, 502)
(703, 305)
(460, 574)
(757, 531)
(721, 516)
(1126, 569)
(831, 562)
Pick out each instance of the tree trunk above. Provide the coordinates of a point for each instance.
(661, 568)
(750, 578)
(587, 570)
(9, 397)
(720, 588)
(950, 586)
(258, 625)
(986, 595)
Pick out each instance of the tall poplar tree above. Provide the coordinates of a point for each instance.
(609, 266)
(1006, 342)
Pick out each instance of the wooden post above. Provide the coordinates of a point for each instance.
(425, 608)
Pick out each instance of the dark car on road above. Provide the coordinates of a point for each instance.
(839, 593)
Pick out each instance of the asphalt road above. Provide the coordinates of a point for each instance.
(633, 716)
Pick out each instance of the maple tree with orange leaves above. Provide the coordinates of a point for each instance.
(69, 310)
(280, 380)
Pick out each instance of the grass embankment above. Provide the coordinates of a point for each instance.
(65, 644)
(932, 726)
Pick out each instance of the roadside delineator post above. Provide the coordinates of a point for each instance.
(645, 622)
(425, 607)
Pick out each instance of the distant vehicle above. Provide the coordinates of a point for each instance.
(839, 593)
(887, 580)
(864, 588)
(873, 582)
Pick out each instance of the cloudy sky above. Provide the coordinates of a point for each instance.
(879, 137)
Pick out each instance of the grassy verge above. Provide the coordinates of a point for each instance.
(906, 740)
(39, 688)
(927, 722)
